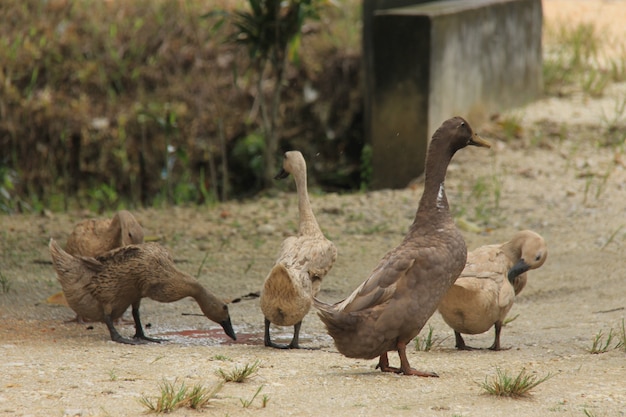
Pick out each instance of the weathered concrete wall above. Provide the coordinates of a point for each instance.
(375, 130)
(440, 59)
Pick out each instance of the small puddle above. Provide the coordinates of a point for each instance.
(213, 337)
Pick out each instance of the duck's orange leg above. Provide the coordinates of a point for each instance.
(405, 367)
(383, 364)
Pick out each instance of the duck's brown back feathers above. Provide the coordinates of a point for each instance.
(111, 282)
(95, 236)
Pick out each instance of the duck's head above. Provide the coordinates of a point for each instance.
(458, 134)
(132, 232)
(531, 252)
(292, 162)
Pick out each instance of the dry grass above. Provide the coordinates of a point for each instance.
(240, 374)
(504, 384)
(173, 397)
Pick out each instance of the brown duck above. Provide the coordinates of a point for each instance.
(303, 262)
(102, 288)
(390, 308)
(95, 236)
(485, 292)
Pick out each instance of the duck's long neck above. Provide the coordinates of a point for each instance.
(186, 286)
(205, 300)
(434, 196)
(114, 232)
(308, 223)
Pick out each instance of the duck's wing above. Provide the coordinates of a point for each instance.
(486, 271)
(486, 262)
(381, 285)
(124, 254)
(312, 256)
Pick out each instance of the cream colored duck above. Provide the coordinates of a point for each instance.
(95, 236)
(303, 262)
(485, 292)
(102, 288)
(390, 308)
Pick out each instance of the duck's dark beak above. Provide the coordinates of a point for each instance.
(228, 329)
(281, 175)
(518, 269)
(478, 141)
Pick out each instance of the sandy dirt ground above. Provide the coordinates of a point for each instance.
(557, 179)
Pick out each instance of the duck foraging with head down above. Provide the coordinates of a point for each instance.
(390, 308)
(102, 288)
(303, 262)
(485, 292)
(96, 236)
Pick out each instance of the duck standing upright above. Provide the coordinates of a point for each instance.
(485, 292)
(390, 308)
(102, 288)
(95, 236)
(303, 262)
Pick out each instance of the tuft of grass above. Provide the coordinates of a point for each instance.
(600, 344)
(202, 265)
(621, 338)
(505, 385)
(575, 60)
(588, 413)
(112, 375)
(222, 358)
(5, 284)
(239, 374)
(199, 396)
(613, 123)
(509, 320)
(612, 237)
(248, 403)
(425, 344)
(485, 196)
(173, 397)
(511, 125)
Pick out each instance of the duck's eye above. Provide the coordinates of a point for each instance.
(538, 258)
(462, 124)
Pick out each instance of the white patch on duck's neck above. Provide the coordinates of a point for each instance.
(440, 197)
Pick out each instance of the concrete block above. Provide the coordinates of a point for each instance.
(440, 59)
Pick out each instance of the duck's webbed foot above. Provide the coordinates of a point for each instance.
(496, 341)
(383, 364)
(140, 336)
(405, 367)
(460, 343)
(116, 337)
(127, 341)
(295, 341)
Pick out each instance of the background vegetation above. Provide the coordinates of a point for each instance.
(122, 104)
(115, 103)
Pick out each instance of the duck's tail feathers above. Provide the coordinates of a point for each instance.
(321, 305)
(70, 268)
(279, 282)
(60, 258)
